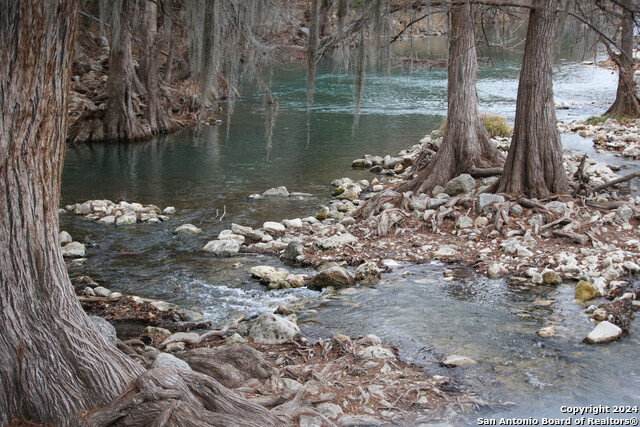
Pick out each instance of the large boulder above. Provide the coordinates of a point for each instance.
(460, 185)
(222, 248)
(334, 276)
(271, 329)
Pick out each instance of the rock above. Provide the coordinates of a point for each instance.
(187, 229)
(584, 291)
(435, 203)
(222, 248)
(486, 199)
(368, 273)
(604, 332)
(347, 220)
(289, 384)
(169, 210)
(276, 192)
(271, 329)
(292, 223)
(361, 163)
(115, 295)
(261, 271)
(455, 360)
(169, 361)
(334, 276)
(557, 207)
(126, 219)
(547, 332)
(155, 330)
(631, 267)
(189, 315)
(273, 227)
(376, 352)
(82, 209)
(250, 233)
(230, 235)
(164, 306)
(109, 219)
(446, 251)
(101, 292)
(293, 250)
(550, 277)
(329, 410)
(537, 219)
(460, 185)
(73, 250)
(64, 238)
(464, 222)
(437, 190)
(235, 339)
(516, 211)
(625, 213)
(105, 328)
(175, 347)
(358, 420)
(481, 221)
(309, 421)
(335, 241)
(496, 271)
(187, 337)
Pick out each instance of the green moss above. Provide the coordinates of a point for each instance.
(495, 125)
(598, 120)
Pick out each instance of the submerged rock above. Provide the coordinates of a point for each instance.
(276, 192)
(188, 229)
(456, 360)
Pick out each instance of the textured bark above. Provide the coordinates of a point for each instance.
(121, 122)
(534, 165)
(627, 103)
(465, 144)
(53, 362)
(155, 114)
(178, 397)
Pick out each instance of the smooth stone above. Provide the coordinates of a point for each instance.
(603, 333)
(188, 228)
(292, 223)
(271, 329)
(625, 213)
(101, 291)
(64, 238)
(335, 241)
(368, 273)
(460, 185)
(486, 199)
(547, 332)
(169, 361)
(169, 210)
(230, 235)
(456, 360)
(126, 219)
(496, 271)
(222, 248)
(73, 250)
(109, 219)
(273, 227)
(105, 328)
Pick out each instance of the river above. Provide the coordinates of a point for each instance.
(207, 174)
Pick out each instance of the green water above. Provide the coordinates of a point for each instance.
(206, 174)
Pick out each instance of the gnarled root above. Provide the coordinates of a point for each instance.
(179, 397)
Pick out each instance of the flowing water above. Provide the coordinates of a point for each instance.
(209, 175)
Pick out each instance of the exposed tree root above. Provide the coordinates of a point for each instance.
(178, 397)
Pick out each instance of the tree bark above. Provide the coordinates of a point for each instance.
(627, 103)
(465, 144)
(534, 166)
(121, 122)
(155, 114)
(53, 361)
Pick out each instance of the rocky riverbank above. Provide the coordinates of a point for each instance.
(620, 137)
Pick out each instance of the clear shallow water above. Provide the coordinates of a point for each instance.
(214, 172)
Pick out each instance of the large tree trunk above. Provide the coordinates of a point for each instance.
(627, 103)
(154, 113)
(53, 362)
(465, 142)
(534, 165)
(121, 122)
